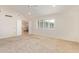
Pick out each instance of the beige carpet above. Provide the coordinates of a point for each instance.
(34, 43)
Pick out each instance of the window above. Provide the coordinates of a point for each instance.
(46, 24)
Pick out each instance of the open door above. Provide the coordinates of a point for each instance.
(19, 26)
(25, 27)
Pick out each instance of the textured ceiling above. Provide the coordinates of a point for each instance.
(35, 10)
(28, 11)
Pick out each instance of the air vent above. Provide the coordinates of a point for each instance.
(8, 16)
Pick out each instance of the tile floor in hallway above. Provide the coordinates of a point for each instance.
(35, 43)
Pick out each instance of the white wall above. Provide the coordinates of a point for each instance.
(67, 26)
(9, 26)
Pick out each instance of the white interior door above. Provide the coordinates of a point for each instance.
(19, 27)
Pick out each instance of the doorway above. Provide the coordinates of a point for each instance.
(25, 27)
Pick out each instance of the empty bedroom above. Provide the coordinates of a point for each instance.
(39, 28)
